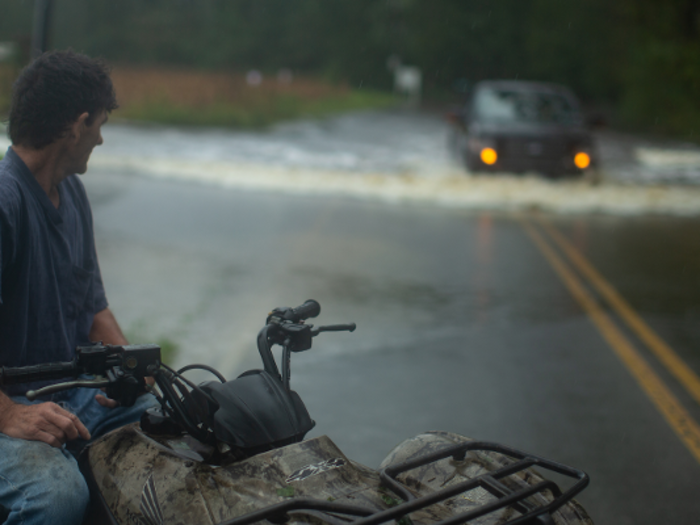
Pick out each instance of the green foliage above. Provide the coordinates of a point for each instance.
(662, 77)
(640, 55)
(168, 350)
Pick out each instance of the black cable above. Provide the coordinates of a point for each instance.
(189, 383)
(214, 371)
(178, 412)
(178, 406)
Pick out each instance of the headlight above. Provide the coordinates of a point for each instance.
(489, 156)
(582, 160)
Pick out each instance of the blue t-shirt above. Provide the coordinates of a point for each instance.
(50, 282)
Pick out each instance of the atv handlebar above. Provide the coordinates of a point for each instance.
(121, 369)
(297, 314)
(29, 374)
(307, 310)
(285, 327)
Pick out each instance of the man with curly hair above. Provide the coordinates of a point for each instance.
(51, 294)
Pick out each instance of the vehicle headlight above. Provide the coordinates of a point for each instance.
(582, 160)
(488, 156)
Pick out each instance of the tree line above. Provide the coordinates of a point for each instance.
(638, 58)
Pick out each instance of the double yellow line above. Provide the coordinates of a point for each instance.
(545, 236)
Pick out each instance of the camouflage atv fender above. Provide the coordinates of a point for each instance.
(146, 480)
(447, 472)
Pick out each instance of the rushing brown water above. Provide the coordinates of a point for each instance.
(402, 156)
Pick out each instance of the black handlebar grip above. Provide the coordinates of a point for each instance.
(310, 308)
(28, 374)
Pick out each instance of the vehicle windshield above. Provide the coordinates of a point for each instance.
(503, 105)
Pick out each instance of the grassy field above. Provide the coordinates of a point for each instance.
(196, 98)
(226, 99)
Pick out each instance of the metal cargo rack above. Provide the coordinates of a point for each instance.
(490, 482)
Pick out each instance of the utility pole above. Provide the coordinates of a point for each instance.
(40, 31)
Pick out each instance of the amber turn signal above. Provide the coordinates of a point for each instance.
(489, 156)
(582, 160)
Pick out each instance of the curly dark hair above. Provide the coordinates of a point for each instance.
(53, 91)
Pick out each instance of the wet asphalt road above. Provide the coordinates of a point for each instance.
(463, 324)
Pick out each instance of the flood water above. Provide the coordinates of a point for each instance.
(401, 156)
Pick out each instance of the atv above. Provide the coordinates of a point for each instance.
(233, 452)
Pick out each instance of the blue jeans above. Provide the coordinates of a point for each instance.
(41, 484)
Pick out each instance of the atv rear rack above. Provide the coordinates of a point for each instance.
(490, 482)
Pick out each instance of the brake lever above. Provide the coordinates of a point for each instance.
(98, 382)
(334, 328)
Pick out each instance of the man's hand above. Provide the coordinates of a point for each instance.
(106, 401)
(45, 422)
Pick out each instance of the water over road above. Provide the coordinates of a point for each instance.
(399, 156)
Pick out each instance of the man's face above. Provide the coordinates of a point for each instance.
(90, 136)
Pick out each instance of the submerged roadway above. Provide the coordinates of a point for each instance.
(572, 337)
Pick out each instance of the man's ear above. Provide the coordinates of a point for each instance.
(79, 125)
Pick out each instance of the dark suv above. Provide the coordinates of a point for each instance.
(520, 126)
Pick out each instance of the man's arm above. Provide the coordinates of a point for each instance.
(48, 422)
(105, 328)
(45, 422)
